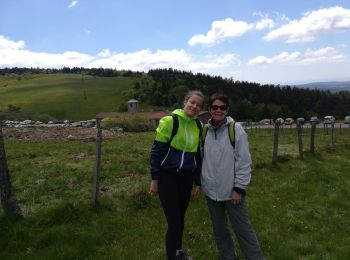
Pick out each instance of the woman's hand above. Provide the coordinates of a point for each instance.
(153, 190)
(236, 198)
(197, 192)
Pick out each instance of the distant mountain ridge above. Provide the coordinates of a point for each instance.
(332, 86)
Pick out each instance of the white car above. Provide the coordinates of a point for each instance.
(347, 120)
(329, 119)
(300, 120)
(280, 121)
(289, 121)
(266, 122)
(314, 119)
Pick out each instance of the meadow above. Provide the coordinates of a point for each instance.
(62, 96)
(299, 208)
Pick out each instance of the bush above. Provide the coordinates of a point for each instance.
(129, 122)
(123, 107)
(45, 118)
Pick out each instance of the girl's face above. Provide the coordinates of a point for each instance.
(218, 110)
(193, 105)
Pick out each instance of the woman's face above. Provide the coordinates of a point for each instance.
(218, 110)
(193, 105)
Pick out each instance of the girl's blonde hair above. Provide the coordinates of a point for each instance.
(193, 92)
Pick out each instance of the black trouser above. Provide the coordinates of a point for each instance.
(175, 193)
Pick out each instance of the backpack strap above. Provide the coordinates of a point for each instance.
(231, 133)
(200, 126)
(204, 133)
(175, 127)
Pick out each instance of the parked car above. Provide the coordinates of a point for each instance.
(280, 121)
(266, 122)
(289, 121)
(328, 119)
(300, 120)
(314, 119)
(347, 120)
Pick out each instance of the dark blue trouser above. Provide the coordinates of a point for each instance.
(175, 192)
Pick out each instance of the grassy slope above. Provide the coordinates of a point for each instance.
(63, 96)
(299, 208)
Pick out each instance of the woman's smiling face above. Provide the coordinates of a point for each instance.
(218, 110)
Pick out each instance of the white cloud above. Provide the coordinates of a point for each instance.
(229, 28)
(283, 57)
(8, 44)
(265, 23)
(323, 55)
(312, 24)
(73, 4)
(104, 53)
(14, 54)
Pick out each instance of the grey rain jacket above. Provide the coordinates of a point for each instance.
(224, 167)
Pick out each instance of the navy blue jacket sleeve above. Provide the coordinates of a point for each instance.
(158, 152)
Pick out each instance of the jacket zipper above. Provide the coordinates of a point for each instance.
(183, 152)
(166, 156)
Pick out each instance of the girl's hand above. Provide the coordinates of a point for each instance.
(153, 190)
(197, 192)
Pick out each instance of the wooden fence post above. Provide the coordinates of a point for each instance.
(275, 143)
(312, 142)
(8, 199)
(300, 140)
(332, 134)
(98, 162)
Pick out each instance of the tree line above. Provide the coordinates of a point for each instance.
(248, 100)
(98, 72)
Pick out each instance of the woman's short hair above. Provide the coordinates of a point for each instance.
(218, 96)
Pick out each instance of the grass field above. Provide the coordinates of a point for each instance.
(62, 96)
(300, 209)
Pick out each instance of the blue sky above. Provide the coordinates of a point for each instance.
(275, 41)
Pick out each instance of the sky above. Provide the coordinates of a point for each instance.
(263, 41)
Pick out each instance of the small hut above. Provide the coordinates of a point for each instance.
(132, 106)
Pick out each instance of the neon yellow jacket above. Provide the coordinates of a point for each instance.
(182, 154)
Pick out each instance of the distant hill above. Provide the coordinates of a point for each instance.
(332, 86)
(62, 96)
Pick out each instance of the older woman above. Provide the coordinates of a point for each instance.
(225, 175)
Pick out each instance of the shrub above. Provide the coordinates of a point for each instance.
(129, 122)
(45, 118)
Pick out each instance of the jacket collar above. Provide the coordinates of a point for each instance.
(226, 121)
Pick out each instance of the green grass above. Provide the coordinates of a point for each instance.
(299, 208)
(62, 96)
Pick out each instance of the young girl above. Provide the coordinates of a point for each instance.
(175, 165)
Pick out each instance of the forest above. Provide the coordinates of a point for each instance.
(248, 100)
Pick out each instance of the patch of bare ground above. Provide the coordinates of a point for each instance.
(34, 134)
